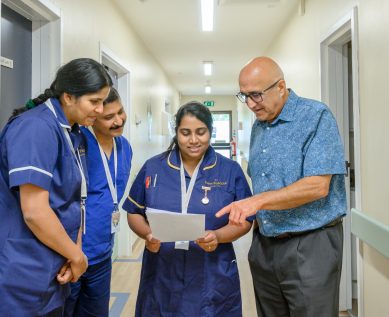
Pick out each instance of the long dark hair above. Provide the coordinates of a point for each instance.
(78, 77)
(195, 109)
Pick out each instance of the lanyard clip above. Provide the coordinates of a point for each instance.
(83, 214)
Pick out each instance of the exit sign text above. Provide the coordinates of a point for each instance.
(209, 103)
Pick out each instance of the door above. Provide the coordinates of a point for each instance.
(16, 53)
(114, 77)
(339, 65)
(221, 133)
(120, 75)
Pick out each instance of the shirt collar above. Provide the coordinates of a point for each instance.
(209, 161)
(58, 112)
(288, 110)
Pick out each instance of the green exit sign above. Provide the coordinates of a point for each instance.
(209, 103)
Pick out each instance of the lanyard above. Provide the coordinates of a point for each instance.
(78, 160)
(111, 185)
(185, 195)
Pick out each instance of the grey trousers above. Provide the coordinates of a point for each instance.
(297, 276)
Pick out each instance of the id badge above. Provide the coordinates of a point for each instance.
(83, 216)
(182, 245)
(115, 220)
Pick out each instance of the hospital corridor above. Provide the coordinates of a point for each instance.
(145, 143)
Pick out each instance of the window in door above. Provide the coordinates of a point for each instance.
(221, 134)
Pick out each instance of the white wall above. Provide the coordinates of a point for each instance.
(297, 49)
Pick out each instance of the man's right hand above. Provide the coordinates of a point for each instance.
(239, 210)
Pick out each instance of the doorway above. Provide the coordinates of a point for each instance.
(30, 33)
(120, 75)
(222, 132)
(339, 88)
(16, 62)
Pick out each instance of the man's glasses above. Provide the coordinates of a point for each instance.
(256, 96)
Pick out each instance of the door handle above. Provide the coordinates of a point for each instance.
(348, 165)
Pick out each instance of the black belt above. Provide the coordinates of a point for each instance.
(300, 233)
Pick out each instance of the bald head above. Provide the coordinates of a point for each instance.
(261, 68)
(263, 88)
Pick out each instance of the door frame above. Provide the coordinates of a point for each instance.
(46, 39)
(125, 239)
(332, 64)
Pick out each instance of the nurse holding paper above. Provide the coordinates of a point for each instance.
(197, 278)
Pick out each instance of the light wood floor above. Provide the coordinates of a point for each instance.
(126, 272)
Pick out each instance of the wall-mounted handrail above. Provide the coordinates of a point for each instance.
(370, 231)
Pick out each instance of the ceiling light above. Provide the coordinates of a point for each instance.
(208, 89)
(208, 66)
(207, 14)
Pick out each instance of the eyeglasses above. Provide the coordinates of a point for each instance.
(256, 96)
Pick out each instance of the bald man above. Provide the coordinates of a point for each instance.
(297, 169)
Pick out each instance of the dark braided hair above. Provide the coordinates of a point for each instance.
(78, 77)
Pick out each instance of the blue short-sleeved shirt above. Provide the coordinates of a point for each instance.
(302, 141)
(97, 243)
(34, 150)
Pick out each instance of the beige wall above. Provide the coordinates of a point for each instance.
(374, 112)
(88, 23)
(247, 117)
(297, 51)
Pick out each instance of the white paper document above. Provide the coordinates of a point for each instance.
(169, 226)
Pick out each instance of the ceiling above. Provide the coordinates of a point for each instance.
(171, 30)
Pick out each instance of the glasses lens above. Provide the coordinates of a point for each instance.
(256, 96)
(242, 97)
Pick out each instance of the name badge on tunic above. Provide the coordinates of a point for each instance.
(182, 245)
(205, 199)
(115, 220)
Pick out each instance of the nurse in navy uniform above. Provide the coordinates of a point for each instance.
(42, 190)
(197, 278)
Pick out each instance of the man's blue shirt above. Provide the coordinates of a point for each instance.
(302, 141)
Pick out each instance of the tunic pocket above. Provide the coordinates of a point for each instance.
(226, 282)
(25, 273)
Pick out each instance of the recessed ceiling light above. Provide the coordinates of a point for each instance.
(207, 14)
(208, 67)
(208, 89)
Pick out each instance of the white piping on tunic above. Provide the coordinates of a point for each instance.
(30, 168)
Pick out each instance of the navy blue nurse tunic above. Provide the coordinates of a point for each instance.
(34, 150)
(191, 283)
